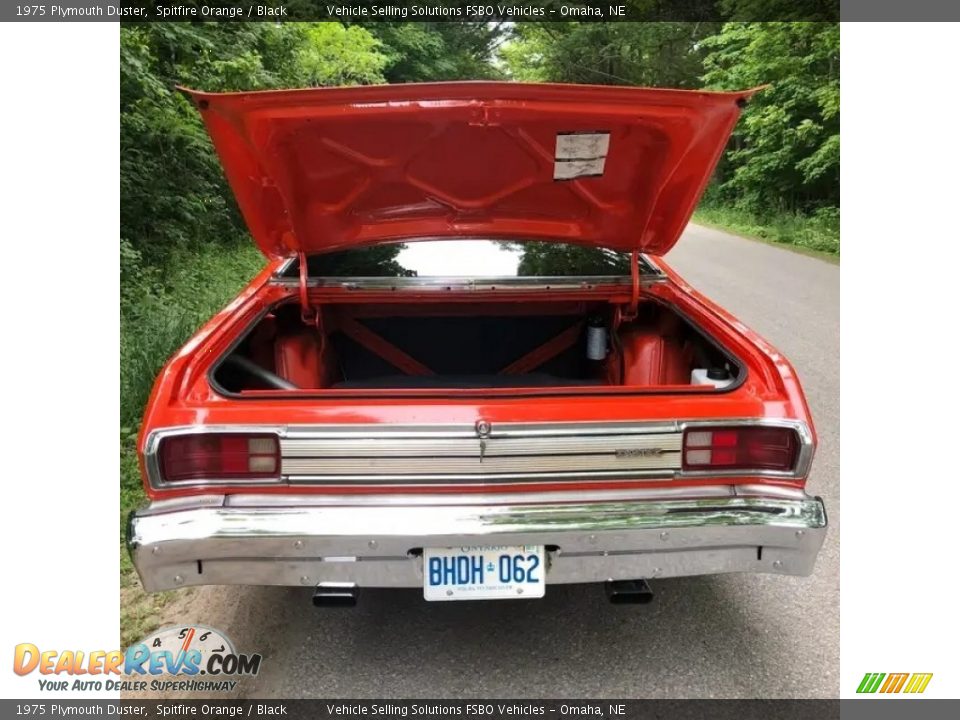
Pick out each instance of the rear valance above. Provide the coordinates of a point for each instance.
(332, 168)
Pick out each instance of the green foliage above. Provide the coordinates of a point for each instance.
(433, 51)
(373, 261)
(172, 189)
(558, 259)
(786, 151)
(158, 312)
(818, 231)
(334, 55)
(655, 54)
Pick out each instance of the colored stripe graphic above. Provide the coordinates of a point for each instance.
(870, 682)
(918, 682)
(894, 682)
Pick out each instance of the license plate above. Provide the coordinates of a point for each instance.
(484, 572)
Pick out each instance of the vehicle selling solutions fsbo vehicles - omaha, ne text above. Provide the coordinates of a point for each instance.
(476, 437)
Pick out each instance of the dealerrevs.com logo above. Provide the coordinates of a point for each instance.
(180, 658)
(911, 683)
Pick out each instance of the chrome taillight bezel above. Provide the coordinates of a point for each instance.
(800, 469)
(153, 464)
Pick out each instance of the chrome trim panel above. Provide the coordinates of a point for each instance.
(378, 546)
(497, 446)
(317, 458)
(431, 454)
(428, 466)
(440, 283)
(479, 480)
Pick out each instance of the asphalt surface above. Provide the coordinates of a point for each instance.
(725, 636)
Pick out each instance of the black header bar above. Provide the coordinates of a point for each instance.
(363, 11)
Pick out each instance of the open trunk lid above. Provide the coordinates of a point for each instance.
(333, 168)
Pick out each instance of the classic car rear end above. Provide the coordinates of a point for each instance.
(477, 437)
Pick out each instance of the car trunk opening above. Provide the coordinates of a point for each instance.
(473, 345)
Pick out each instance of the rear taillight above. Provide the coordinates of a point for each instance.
(740, 448)
(219, 457)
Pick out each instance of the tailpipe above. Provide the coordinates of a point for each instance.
(335, 595)
(628, 592)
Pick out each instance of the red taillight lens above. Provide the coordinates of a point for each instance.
(219, 457)
(742, 448)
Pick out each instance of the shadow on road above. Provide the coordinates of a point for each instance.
(572, 643)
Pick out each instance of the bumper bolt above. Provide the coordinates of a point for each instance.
(155, 550)
(656, 572)
(664, 535)
(372, 544)
(778, 563)
(799, 533)
(178, 579)
(592, 539)
(304, 580)
(298, 544)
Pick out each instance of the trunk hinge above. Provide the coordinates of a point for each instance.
(311, 315)
(631, 311)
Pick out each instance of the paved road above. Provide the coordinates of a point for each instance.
(749, 636)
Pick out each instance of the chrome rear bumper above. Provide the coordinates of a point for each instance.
(307, 540)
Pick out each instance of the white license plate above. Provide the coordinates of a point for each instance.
(484, 572)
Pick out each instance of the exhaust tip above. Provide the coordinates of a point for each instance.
(335, 595)
(628, 592)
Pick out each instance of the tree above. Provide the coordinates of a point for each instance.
(433, 51)
(173, 193)
(654, 54)
(786, 153)
(542, 259)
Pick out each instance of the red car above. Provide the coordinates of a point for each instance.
(344, 424)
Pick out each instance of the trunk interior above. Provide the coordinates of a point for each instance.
(474, 345)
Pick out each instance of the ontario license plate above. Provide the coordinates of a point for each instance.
(484, 572)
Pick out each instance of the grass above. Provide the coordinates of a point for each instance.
(817, 235)
(159, 311)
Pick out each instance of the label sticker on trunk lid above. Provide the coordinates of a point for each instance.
(580, 154)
